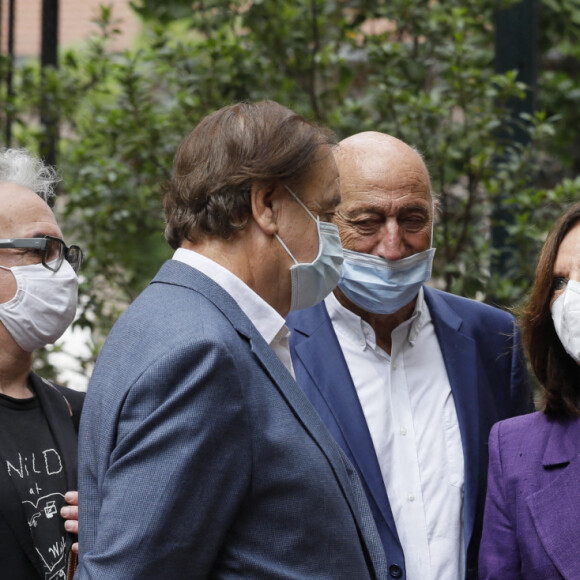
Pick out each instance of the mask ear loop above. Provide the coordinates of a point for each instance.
(286, 248)
(301, 203)
(315, 219)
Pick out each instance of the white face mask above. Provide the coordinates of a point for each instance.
(43, 307)
(566, 317)
(314, 281)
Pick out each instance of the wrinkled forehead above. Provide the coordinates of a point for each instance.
(395, 174)
(24, 214)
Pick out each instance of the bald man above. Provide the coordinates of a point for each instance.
(408, 379)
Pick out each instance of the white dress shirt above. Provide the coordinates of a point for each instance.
(408, 405)
(267, 321)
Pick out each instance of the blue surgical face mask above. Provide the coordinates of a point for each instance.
(384, 286)
(313, 282)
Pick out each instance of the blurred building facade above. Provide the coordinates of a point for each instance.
(76, 23)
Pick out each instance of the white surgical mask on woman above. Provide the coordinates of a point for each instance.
(314, 281)
(43, 307)
(566, 316)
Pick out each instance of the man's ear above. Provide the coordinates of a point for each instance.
(265, 206)
(436, 204)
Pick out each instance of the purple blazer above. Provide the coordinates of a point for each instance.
(531, 526)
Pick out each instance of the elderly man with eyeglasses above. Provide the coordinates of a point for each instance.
(38, 419)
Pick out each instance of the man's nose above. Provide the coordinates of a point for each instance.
(390, 245)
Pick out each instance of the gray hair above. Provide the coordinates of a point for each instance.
(21, 167)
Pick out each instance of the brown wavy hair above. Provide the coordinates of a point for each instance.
(227, 152)
(557, 371)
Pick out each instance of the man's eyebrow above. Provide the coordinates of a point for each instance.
(331, 203)
(356, 211)
(44, 233)
(412, 208)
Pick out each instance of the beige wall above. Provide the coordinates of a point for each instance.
(74, 23)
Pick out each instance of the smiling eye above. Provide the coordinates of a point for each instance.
(414, 223)
(366, 225)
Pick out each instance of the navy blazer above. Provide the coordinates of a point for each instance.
(62, 409)
(201, 457)
(482, 353)
(531, 527)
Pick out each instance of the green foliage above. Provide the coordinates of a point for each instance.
(419, 70)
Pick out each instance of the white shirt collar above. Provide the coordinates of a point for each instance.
(266, 320)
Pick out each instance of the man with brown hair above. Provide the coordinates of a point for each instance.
(199, 455)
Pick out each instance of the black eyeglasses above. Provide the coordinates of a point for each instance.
(54, 251)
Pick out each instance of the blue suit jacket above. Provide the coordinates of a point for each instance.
(482, 354)
(200, 456)
(532, 514)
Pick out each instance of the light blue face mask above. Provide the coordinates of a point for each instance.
(313, 282)
(384, 286)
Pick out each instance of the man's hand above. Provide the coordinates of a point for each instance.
(71, 514)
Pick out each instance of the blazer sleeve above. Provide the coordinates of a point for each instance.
(499, 557)
(178, 470)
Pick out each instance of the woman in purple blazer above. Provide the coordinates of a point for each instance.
(532, 514)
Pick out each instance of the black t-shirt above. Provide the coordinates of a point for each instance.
(31, 459)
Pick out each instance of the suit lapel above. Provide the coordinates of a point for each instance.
(554, 508)
(301, 406)
(461, 362)
(335, 386)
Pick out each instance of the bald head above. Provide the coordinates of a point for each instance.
(373, 159)
(387, 207)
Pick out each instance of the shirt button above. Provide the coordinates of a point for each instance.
(411, 497)
(362, 341)
(394, 367)
(403, 431)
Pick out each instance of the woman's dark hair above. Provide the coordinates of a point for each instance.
(225, 155)
(556, 370)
